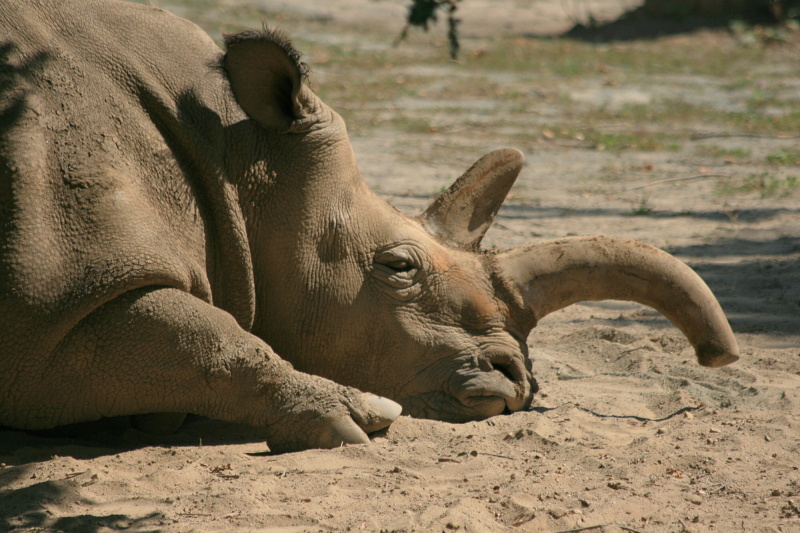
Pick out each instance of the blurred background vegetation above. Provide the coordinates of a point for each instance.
(655, 16)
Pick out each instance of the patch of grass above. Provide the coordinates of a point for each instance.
(784, 157)
(217, 18)
(627, 113)
(680, 114)
(761, 123)
(759, 35)
(338, 91)
(761, 100)
(616, 142)
(411, 124)
(352, 55)
(634, 139)
(765, 184)
(642, 209)
(738, 84)
(479, 86)
(571, 58)
(723, 153)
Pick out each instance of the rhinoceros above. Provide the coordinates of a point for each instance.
(185, 230)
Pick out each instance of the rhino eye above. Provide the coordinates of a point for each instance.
(400, 265)
(397, 267)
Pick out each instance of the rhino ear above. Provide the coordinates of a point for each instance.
(266, 77)
(462, 214)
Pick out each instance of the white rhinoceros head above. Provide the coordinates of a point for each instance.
(413, 308)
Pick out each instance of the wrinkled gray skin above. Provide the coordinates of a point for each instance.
(173, 218)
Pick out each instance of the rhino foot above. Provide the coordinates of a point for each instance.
(322, 425)
(376, 414)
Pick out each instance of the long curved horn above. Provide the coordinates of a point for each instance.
(554, 274)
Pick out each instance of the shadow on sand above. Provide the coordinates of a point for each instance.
(645, 22)
(26, 508)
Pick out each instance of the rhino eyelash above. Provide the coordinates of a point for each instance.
(398, 259)
(396, 278)
(401, 266)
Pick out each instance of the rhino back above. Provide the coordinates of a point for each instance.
(111, 166)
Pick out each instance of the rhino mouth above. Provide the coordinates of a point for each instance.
(499, 383)
(480, 387)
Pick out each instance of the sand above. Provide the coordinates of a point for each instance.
(628, 432)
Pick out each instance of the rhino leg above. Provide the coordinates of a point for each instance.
(161, 350)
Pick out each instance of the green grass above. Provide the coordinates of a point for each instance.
(723, 153)
(411, 124)
(633, 139)
(759, 123)
(643, 208)
(617, 142)
(764, 184)
(682, 114)
(570, 58)
(784, 157)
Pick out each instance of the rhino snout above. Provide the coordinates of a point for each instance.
(500, 383)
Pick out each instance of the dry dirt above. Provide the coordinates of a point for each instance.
(628, 433)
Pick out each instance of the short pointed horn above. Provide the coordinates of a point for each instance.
(462, 214)
(554, 274)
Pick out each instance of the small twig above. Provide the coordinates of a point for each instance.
(402, 37)
(633, 417)
(718, 487)
(498, 455)
(627, 528)
(634, 349)
(701, 136)
(686, 529)
(597, 526)
(199, 458)
(640, 418)
(623, 354)
(685, 178)
(585, 528)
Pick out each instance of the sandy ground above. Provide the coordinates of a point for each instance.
(628, 432)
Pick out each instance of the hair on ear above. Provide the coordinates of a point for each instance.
(275, 36)
(266, 75)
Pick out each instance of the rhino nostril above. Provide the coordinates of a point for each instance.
(507, 371)
(494, 383)
(515, 371)
(511, 367)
